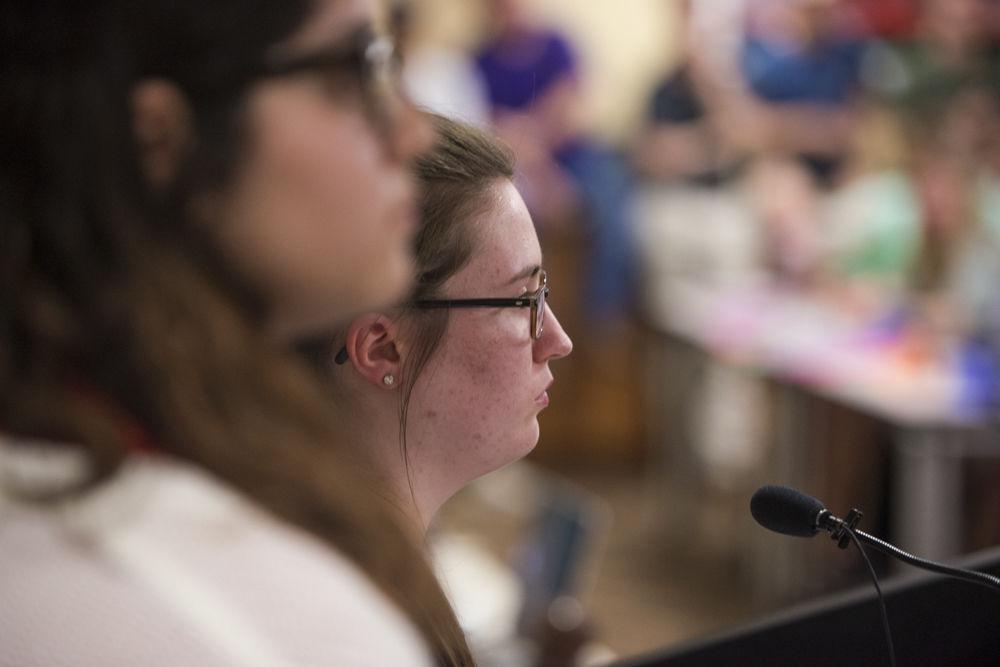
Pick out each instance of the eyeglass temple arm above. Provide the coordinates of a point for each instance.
(465, 303)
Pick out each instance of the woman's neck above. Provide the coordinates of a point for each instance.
(372, 433)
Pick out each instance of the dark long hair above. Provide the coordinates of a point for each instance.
(114, 303)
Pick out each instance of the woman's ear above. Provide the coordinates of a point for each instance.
(373, 347)
(163, 128)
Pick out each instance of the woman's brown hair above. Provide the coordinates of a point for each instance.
(117, 311)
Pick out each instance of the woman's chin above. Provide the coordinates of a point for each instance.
(529, 442)
(519, 448)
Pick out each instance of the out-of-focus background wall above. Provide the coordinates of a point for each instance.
(772, 228)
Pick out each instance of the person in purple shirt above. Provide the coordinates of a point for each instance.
(532, 79)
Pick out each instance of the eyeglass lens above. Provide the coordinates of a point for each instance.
(375, 66)
(381, 83)
(540, 311)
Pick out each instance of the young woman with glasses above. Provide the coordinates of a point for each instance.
(187, 187)
(448, 386)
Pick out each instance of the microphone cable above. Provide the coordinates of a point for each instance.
(881, 599)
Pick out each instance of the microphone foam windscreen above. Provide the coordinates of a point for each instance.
(785, 510)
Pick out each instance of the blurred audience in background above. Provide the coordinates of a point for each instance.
(862, 134)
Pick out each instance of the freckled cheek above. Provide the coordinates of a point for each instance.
(486, 361)
(500, 391)
(490, 381)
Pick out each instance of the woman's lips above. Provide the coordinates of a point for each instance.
(543, 398)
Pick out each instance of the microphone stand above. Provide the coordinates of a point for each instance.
(840, 530)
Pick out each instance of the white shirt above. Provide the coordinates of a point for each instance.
(164, 565)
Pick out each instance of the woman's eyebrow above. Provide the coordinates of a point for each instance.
(361, 32)
(528, 272)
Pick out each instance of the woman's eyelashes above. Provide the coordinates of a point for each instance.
(531, 287)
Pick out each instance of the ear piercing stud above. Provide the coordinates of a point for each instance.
(388, 379)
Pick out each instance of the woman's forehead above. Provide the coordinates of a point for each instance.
(507, 246)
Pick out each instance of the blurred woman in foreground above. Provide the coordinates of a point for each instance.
(187, 187)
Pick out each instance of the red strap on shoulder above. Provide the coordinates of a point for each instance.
(137, 437)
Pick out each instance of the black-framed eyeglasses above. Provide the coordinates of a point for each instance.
(367, 57)
(535, 301)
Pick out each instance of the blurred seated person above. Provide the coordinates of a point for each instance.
(678, 141)
(921, 232)
(778, 82)
(930, 85)
(789, 88)
(874, 217)
(958, 186)
(952, 47)
(533, 81)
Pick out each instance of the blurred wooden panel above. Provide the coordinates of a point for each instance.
(596, 412)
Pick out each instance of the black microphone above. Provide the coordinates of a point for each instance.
(790, 512)
(787, 511)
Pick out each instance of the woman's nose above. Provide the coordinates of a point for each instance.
(554, 343)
